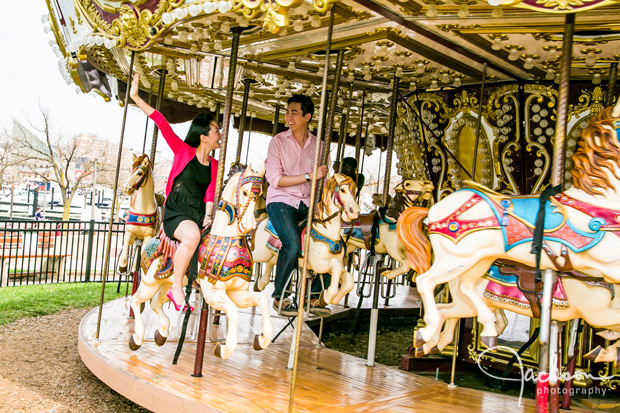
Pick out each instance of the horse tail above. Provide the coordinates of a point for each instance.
(410, 230)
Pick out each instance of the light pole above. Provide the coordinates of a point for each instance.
(92, 200)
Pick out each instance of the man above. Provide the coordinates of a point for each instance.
(289, 165)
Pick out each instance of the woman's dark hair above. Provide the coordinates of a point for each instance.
(200, 126)
(306, 104)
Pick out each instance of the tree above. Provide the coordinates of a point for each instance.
(54, 158)
(7, 156)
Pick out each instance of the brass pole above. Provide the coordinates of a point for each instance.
(358, 138)
(244, 109)
(247, 151)
(276, 121)
(611, 84)
(202, 327)
(160, 95)
(484, 79)
(146, 126)
(455, 352)
(317, 153)
(118, 167)
(344, 129)
(332, 107)
(390, 142)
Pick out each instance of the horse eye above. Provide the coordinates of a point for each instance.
(342, 190)
(245, 193)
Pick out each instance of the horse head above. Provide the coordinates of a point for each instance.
(140, 173)
(596, 169)
(415, 190)
(239, 198)
(339, 196)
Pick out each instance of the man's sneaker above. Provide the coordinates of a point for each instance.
(288, 308)
(318, 310)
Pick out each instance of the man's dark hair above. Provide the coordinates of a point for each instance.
(306, 104)
(200, 126)
(350, 162)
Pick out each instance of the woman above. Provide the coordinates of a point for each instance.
(191, 185)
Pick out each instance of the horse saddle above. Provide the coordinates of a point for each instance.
(362, 229)
(274, 243)
(516, 284)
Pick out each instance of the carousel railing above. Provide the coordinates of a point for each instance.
(41, 252)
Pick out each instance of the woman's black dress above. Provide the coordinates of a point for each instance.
(186, 199)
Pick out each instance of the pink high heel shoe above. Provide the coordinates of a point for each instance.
(176, 306)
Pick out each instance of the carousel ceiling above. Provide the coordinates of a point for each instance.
(428, 44)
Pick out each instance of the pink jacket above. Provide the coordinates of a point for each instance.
(183, 153)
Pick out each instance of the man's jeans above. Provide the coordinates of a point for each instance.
(285, 219)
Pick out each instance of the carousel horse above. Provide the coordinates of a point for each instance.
(225, 268)
(475, 226)
(382, 225)
(326, 246)
(574, 297)
(142, 215)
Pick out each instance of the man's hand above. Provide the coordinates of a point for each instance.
(321, 171)
(135, 87)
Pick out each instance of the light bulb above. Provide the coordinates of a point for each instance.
(225, 27)
(550, 74)
(175, 85)
(514, 55)
(315, 21)
(457, 82)
(432, 10)
(497, 12)
(217, 45)
(445, 78)
(412, 87)
(529, 64)
(291, 66)
(590, 59)
(243, 21)
(596, 79)
(434, 84)
(399, 72)
(350, 77)
(298, 25)
(367, 76)
(283, 31)
(497, 44)
(463, 11)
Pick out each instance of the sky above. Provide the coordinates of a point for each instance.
(30, 80)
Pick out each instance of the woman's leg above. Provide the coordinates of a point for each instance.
(188, 234)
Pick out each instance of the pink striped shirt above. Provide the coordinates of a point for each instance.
(285, 158)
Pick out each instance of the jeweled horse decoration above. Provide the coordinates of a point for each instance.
(381, 225)
(575, 296)
(142, 215)
(326, 245)
(225, 268)
(473, 227)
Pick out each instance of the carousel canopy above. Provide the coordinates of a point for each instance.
(428, 44)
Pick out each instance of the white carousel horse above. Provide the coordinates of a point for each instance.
(326, 246)
(573, 298)
(473, 227)
(387, 241)
(142, 215)
(224, 278)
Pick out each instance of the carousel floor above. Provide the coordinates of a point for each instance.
(251, 381)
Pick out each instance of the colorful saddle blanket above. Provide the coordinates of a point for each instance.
(222, 258)
(274, 243)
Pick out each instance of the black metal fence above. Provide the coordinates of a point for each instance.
(36, 252)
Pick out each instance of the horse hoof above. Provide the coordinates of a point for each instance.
(132, 344)
(122, 270)
(419, 352)
(489, 341)
(159, 339)
(418, 341)
(218, 350)
(257, 345)
(256, 289)
(592, 355)
(434, 350)
(142, 308)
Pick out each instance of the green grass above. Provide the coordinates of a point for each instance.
(37, 300)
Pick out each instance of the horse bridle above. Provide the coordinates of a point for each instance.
(233, 211)
(338, 202)
(146, 172)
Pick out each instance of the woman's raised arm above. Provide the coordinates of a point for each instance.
(133, 93)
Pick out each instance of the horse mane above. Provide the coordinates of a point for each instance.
(397, 206)
(410, 230)
(597, 152)
(328, 189)
(138, 161)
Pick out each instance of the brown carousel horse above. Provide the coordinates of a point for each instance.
(475, 226)
(142, 215)
(381, 225)
(225, 268)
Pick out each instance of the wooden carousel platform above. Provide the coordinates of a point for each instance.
(251, 381)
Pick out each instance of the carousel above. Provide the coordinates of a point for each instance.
(504, 121)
